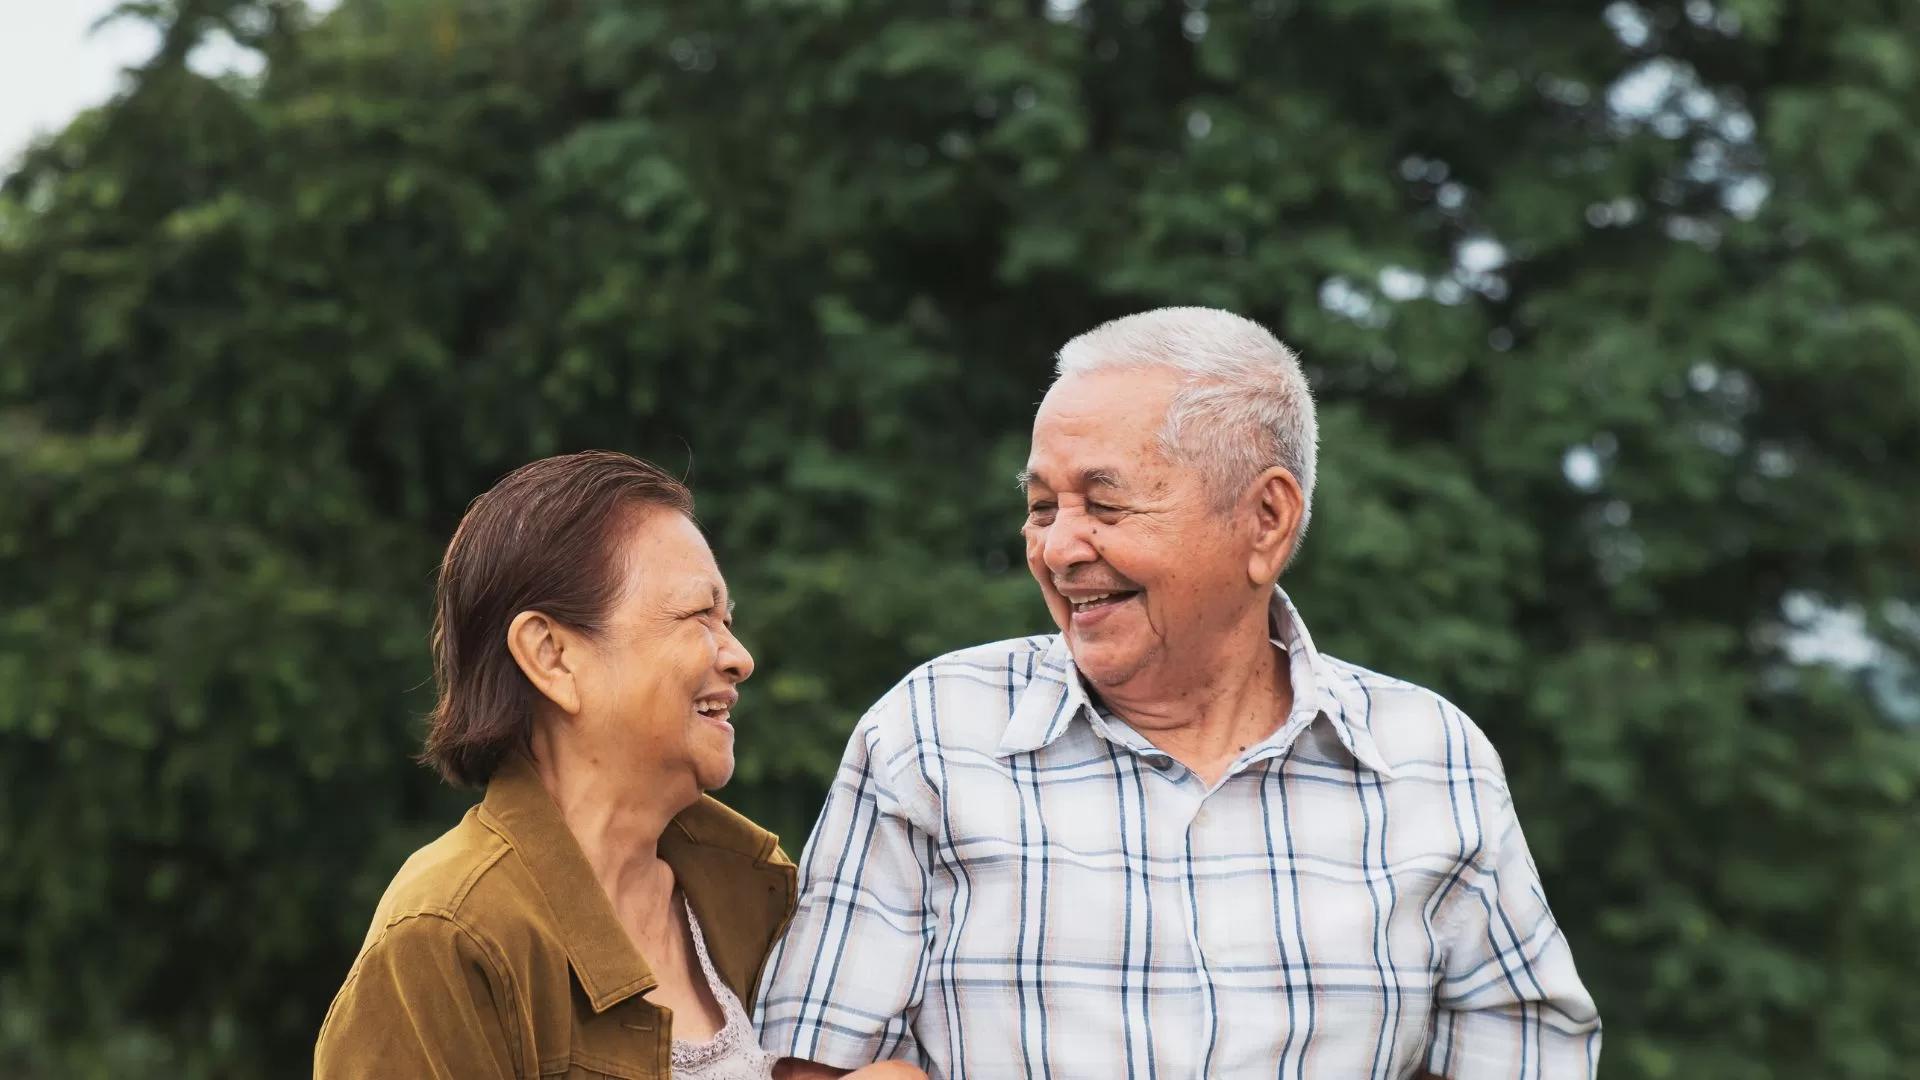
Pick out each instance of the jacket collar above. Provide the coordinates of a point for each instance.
(738, 882)
(718, 858)
(1057, 694)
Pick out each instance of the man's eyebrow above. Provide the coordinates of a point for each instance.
(1088, 478)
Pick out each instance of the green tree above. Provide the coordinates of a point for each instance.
(1609, 308)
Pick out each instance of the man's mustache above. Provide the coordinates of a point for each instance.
(1093, 585)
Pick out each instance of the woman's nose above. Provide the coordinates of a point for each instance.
(735, 661)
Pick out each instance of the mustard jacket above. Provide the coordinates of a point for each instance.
(495, 953)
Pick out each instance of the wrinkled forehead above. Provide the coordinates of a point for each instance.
(1101, 430)
(665, 559)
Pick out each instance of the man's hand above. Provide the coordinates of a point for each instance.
(796, 1069)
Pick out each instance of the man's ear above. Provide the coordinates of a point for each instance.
(547, 653)
(1278, 506)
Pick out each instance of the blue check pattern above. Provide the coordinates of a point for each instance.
(1007, 880)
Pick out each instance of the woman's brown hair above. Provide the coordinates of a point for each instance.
(546, 538)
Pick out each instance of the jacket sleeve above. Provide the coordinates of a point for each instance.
(426, 1000)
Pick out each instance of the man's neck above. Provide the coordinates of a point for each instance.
(1207, 711)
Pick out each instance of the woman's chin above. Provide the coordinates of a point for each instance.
(714, 769)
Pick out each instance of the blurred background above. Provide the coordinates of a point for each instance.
(1613, 310)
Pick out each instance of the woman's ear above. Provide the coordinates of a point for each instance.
(547, 654)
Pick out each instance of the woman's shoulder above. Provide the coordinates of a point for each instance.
(438, 878)
(470, 877)
(441, 946)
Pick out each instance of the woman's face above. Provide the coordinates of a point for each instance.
(658, 691)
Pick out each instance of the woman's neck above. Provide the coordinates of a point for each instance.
(612, 818)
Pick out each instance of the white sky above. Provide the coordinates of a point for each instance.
(51, 66)
(53, 63)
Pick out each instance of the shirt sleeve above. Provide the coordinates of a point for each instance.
(1510, 1005)
(425, 1001)
(843, 987)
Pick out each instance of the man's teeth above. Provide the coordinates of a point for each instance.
(708, 708)
(1086, 602)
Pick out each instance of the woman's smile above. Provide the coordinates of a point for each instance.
(718, 708)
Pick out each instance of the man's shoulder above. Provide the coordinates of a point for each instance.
(996, 664)
(988, 672)
(965, 698)
(1392, 691)
(1414, 727)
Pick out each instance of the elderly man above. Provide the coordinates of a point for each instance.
(1174, 840)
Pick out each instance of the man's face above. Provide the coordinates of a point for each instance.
(1136, 566)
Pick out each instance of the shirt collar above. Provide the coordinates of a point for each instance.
(1056, 695)
(518, 808)
(1052, 698)
(1327, 693)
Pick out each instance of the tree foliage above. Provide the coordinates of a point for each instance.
(1613, 311)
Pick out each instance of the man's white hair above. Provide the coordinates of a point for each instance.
(1242, 407)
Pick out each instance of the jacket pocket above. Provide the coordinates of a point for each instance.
(630, 1041)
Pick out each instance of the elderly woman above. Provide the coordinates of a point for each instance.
(596, 914)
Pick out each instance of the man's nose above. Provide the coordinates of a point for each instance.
(1069, 541)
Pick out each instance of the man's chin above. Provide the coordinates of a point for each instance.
(1103, 666)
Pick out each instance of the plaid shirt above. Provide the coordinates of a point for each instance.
(1007, 880)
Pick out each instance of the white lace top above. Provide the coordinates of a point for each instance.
(733, 1053)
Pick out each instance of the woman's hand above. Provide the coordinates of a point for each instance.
(795, 1069)
(888, 1070)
